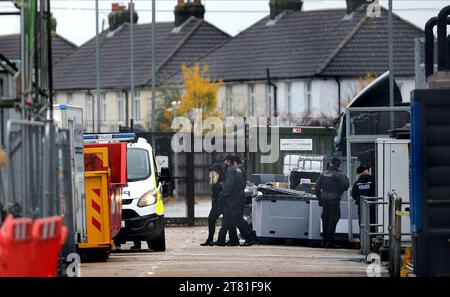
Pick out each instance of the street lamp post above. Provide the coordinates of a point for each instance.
(391, 64)
(153, 67)
(97, 63)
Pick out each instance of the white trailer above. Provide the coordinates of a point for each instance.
(74, 208)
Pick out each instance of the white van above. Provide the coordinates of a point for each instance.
(142, 201)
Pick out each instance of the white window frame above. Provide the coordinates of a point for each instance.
(251, 98)
(288, 95)
(121, 108)
(229, 100)
(137, 106)
(89, 108)
(69, 98)
(104, 107)
(270, 98)
(308, 96)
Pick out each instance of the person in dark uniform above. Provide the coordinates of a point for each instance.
(233, 197)
(216, 182)
(238, 213)
(228, 197)
(364, 186)
(330, 186)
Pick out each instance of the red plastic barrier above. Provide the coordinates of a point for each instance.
(49, 235)
(15, 247)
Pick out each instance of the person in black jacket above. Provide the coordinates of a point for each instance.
(364, 186)
(216, 182)
(233, 196)
(330, 186)
(238, 212)
(230, 200)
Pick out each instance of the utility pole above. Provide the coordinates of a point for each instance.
(391, 64)
(153, 67)
(131, 55)
(97, 62)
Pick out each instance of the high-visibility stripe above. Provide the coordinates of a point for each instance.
(96, 224)
(97, 192)
(96, 206)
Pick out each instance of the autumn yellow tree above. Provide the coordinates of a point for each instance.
(200, 93)
(362, 82)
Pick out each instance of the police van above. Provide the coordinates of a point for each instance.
(142, 200)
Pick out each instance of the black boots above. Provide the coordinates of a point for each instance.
(207, 243)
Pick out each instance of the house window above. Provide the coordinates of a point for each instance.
(137, 106)
(121, 107)
(89, 108)
(103, 106)
(69, 98)
(229, 100)
(251, 98)
(270, 95)
(288, 93)
(308, 96)
(1, 87)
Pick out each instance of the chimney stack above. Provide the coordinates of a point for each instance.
(279, 6)
(184, 10)
(353, 5)
(120, 15)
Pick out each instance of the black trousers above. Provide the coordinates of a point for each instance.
(228, 226)
(330, 217)
(241, 223)
(214, 214)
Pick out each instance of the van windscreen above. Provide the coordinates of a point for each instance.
(138, 164)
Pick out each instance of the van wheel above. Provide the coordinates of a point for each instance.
(158, 244)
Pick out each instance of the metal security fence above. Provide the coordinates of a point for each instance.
(34, 181)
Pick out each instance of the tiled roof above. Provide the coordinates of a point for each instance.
(10, 47)
(305, 44)
(77, 70)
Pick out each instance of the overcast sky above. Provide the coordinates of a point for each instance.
(76, 19)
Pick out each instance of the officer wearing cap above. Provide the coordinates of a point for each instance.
(330, 186)
(364, 186)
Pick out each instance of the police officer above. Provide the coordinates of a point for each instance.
(216, 182)
(233, 195)
(231, 201)
(330, 186)
(364, 186)
(238, 213)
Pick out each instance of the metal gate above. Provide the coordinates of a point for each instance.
(188, 195)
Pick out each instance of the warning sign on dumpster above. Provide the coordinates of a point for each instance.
(296, 144)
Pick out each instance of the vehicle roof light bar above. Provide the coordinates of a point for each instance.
(119, 137)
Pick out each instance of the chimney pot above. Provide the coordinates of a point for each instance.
(353, 5)
(115, 6)
(183, 11)
(279, 6)
(121, 15)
